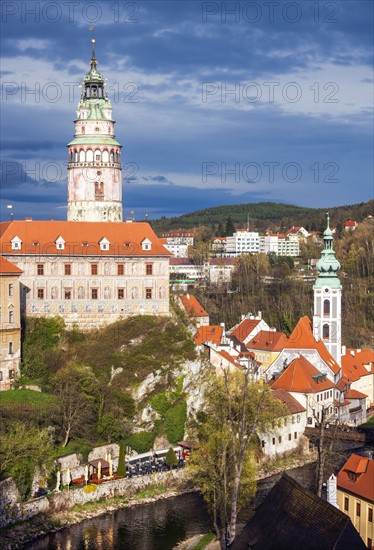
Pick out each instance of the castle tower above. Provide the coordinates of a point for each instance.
(94, 163)
(327, 298)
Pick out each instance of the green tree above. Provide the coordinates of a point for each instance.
(75, 387)
(224, 468)
(230, 227)
(23, 448)
(170, 458)
(121, 470)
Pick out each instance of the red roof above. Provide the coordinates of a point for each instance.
(361, 483)
(192, 306)
(81, 238)
(209, 333)
(353, 365)
(244, 329)
(350, 223)
(302, 338)
(298, 377)
(292, 404)
(230, 358)
(268, 340)
(354, 394)
(178, 233)
(7, 267)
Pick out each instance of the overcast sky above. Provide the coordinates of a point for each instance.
(215, 102)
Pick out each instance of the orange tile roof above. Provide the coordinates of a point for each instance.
(230, 358)
(302, 338)
(364, 484)
(7, 267)
(292, 404)
(298, 377)
(244, 328)
(353, 365)
(354, 394)
(125, 238)
(192, 306)
(268, 340)
(211, 333)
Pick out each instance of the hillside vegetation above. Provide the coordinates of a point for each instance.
(263, 215)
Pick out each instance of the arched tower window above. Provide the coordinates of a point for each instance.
(82, 156)
(97, 155)
(325, 332)
(326, 307)
(111, 156)
(99, 191)
(75, 156)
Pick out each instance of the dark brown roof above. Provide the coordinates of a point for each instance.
(291, 403)
(292, 518)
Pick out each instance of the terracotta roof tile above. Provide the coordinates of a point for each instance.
(292, 404)
(354, 394)
(244, 329)
(268, 340)
(364, 484)
(192, 306)
(302, 338)
(7, 267)
(353, 365)
(125, 238)
(209, 333)
(298, 377)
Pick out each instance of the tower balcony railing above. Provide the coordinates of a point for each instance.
(94, 164)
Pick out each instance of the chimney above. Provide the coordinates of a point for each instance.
(129, 220)
(188, 296)
(331, 491)
(344, 350)
(259, 314)
(28, 219)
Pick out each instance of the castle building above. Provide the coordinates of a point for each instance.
(92, 269)
(94, 162)
(327, 298)
(10, 323)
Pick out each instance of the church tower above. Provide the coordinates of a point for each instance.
(94, 163)
(327, 298)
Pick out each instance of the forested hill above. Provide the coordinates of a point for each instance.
(264, 215)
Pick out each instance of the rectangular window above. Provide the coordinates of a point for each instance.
(11, 317)
(358, 509)
(346, 504)
(94, 269)
(370, 515)
(40, 294)
(370, 544)
(11, 374)
(273, 440)
(94, 293)
(121, 293)
(67, 293)
(40, 269)
(67, 268)
(10, 348)
(120, 269)
(280, 439)
(10, 289)
(289, 437)
(148, 294)
(1, 376)
(149, 269)
(295, 435)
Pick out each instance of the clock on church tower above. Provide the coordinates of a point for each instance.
(94, 163)
(327, 298)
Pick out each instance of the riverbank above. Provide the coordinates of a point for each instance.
(17, 535)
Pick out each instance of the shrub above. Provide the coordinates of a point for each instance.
(141, 442)
(175, 419)
(170, 458)
(121, 470)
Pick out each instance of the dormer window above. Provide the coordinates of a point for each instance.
(16, 243)
(146, 244)
(60, 243)
(104, 244)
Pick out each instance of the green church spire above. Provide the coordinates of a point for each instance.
(328, 265)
